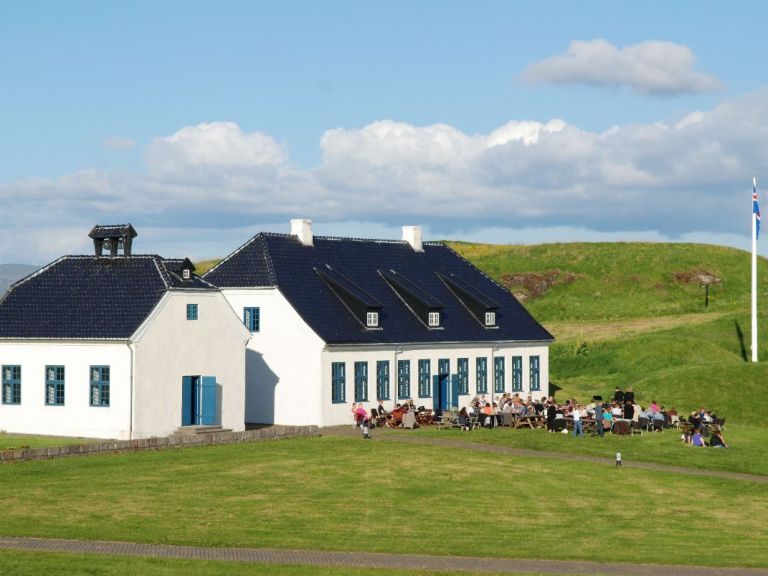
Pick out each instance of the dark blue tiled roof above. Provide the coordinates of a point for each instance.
(280, 260)
(88, 297)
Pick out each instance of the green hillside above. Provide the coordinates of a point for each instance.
(632, 314)
(585, 281)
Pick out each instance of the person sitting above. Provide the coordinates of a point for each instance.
(659, 421)
(717, 440)
(698, 440)
(464, 420)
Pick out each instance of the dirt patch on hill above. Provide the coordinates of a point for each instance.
(532, 285)
(700, 277)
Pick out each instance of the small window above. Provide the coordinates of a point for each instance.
(372, 319)
(185, 274)
(490, 318)
(252, 318)
(191, 311)
(11, 384)
(338, 382)
(54, 385)
(434, 319)
(99, 385)
(361, 381)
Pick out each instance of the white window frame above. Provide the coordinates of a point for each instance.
(185, 274)
(490, 318)
(434, 319)
(372, 319)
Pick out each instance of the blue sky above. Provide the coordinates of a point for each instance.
(205, 122)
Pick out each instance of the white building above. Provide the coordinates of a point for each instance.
(337, 320)
(120, 346)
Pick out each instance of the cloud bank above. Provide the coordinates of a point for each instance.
(661, 68)
(690, 178)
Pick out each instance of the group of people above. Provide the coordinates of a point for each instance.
(606, 415)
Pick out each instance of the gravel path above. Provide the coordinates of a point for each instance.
(364, 561)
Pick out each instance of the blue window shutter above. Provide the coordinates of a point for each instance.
(436, 392)
(209, 400)
(454, 390)
(186, 400)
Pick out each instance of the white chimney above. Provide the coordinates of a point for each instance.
(412, 235)
(303, 230)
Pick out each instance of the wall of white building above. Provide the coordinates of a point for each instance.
(283, 361)
(340, 413)
(169, 347)
(76, 417)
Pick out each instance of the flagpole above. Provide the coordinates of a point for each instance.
(754, 279)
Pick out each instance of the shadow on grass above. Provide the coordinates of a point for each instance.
(740, 336)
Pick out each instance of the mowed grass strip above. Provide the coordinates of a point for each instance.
(747, 454)
(17, 441)
(347, 494)
(36, 563)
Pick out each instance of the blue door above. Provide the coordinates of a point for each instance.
(198, 400)
(208, 401)
(441, 392)
(454, 391)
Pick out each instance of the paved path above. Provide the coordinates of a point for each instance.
(363, 561)
(405, 437)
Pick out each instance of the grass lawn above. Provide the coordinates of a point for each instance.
(36, 563)
(345, 494)
(16, 441)
(748, 451)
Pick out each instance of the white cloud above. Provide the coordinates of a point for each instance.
(213, 145)
(648, 67)
(682, 178)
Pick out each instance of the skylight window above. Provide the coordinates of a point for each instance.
(434, 319)
(372, 319)
(490, 318)
(185, 273)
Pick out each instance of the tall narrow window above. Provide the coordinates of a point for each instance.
(338, 382)
(517, 373)
(481, 374)
(99, 385)
(191, 311)
(498, 374)
(11, 384)
(54, 385)
(403, 379)
(535, 373)
(252, 318)
(361, 381)
(424, 376)
(462, 369)
(382, 380)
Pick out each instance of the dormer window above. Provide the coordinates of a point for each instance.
(363, 307)
(434, 319)
(185, 273)
(490, 318)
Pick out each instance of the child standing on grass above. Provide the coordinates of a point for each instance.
(618, 459)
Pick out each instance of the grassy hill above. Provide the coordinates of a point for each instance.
(632, 314)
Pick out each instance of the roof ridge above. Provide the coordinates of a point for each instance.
(269, 263)
(234, 252)
(354, 239)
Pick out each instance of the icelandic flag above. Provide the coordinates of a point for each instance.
(755, 209)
